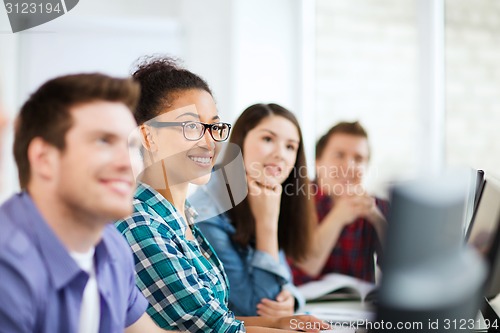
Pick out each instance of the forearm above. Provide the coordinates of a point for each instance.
(325, 238)
(380, 224)
(256, 329)
(301, 322)
(266, 235)
(267, 322)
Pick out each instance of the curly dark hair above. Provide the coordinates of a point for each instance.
(161, 77)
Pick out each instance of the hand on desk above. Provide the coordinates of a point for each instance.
(305, 323)
(283, 305)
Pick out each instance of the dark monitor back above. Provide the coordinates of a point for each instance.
(480, 180)
(425, 221)
(428, 274)
(484, 233)
(475, 185)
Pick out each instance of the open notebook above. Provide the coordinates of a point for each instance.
(335, 286)
(322, 297)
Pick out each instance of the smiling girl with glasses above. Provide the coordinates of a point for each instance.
(177, 269)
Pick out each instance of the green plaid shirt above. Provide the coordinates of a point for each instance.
(183, 280)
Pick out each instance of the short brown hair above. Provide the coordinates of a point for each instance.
(46, 114)
(343, 127)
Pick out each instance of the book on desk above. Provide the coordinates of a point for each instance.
(340, 298)
(335, 286)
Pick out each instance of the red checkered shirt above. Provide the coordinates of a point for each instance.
(353, 253)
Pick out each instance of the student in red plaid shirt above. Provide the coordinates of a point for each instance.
(352, 223)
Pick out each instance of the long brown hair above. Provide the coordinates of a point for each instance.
(297, 213)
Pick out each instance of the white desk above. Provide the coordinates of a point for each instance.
(354, 309)
(357, 313)
(343, 316)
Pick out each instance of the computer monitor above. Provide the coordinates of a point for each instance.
(484, 233)
(479, 185)
(475, 186)
(428, 275)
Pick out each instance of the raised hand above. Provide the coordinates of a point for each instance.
(354, 204)
(348, 208)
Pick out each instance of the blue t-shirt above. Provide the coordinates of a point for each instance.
(41, 286)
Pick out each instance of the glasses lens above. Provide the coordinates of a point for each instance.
(193, 131)
(220, 131)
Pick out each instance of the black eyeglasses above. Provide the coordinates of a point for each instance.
(194, 130)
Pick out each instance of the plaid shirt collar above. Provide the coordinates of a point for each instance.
(147, 195)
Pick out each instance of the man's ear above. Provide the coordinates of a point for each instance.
(147, 139)
(43, 158)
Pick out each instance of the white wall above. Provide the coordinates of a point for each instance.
(9, 92)
(473, 84)
(266, 48)
(367, 70)
(207, 32)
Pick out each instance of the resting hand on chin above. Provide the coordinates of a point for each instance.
(264, 201)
